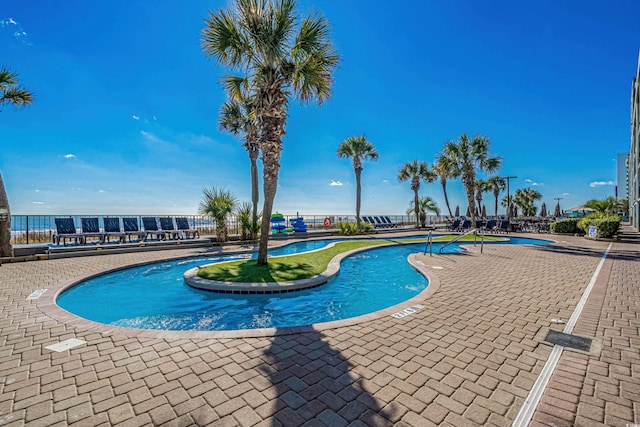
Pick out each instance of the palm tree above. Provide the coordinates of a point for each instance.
(481, 187)
(10, 93)
(525, 198)
(425, 204)
(607, 206)
(248, 226)
(443, 167)
(415, 172)
(284, 55)
(218, 203)
(237, 117)
(470, 156)
(359, 149)
(497, 185)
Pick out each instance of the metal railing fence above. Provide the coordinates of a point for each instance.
(38, 229)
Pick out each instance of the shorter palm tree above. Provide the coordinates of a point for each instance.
(218, 203)
(470, 156)
(607, 206)
(481, 186)
(358, 149)
(525, 198)
(496, 184)
(415, 172)
(425, 205)
(444, 168)
(238, 118)
(248, 226)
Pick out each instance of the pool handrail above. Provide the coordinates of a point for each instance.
(473, 230)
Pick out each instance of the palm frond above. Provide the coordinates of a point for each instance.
(11, 92)
(223, 40)
(7, 78)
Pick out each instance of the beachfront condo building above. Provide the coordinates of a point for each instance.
(622, 185)
(634, 153)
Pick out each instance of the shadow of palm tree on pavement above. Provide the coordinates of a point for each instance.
(314, 383)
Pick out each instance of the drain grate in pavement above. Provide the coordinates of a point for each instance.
(65, 345)
(570, 341)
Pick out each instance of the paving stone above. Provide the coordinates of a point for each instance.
(474, 350)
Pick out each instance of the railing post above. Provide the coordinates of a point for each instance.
(482, 244)
(429, 244)
(27, 223)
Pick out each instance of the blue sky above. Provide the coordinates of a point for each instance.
(126, 104)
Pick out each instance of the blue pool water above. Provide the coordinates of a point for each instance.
(155, 296)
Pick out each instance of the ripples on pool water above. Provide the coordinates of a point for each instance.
(155, 296)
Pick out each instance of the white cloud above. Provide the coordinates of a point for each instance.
(386, 181)
(201, 140)
(533, 183)
(566, 194)
(101, 191)
(16, 30)
(135, 117)
(595, 184)
(336, 183)
(38, 203)
(150, 137)
(69, 156)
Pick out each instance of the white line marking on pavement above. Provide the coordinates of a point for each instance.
(533, 399)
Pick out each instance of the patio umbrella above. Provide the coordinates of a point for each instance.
(514, 211)
(457, 214)
(484, 211)
(543, 210)
(557, 212)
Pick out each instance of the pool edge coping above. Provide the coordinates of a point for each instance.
(47, 304)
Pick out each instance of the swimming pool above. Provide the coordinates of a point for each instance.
(154, 296)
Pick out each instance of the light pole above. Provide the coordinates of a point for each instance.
(508, 197)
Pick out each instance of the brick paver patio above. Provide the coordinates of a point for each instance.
(470, 357)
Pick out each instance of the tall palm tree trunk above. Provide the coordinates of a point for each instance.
(358, 194)
(469, 184)
(6, 250)
(270, 184)
(446, 198)
(272, 117)
(255, 194)
(416, 204)
(496, 215)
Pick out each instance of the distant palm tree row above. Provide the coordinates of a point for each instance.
(464, 159)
